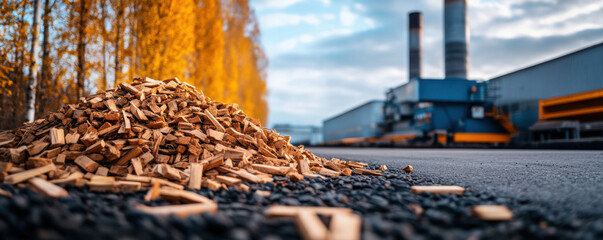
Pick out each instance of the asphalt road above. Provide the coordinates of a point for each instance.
(568, 180)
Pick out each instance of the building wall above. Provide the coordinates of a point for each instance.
(362, 121)
(300, 134)
(518, 92)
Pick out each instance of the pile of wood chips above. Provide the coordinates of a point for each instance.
(153, 131)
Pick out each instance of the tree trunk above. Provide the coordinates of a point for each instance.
(30, 107)
(104, 32)
(50, 94)
(81, 50)
(118, 22)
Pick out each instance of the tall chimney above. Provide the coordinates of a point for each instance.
(415, 37)
(456, 38)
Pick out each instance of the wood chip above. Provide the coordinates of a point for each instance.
(492, 212)
(195, 176)
(86, 163)
(46, 188)
(180, 210)
(437, 189)
(25, 175)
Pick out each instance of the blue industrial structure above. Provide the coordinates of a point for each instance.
(459, 111)
(362, 121)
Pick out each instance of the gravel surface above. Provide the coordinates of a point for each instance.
(568, 180)
(383, 202)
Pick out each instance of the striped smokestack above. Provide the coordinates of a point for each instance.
(415, 37)
(456, 39)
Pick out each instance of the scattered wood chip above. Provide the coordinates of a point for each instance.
(46, 188)
(492, 212)
(437, 189)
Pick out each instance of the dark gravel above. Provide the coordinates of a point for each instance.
(383, 202)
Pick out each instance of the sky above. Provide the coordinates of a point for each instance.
(328, 56)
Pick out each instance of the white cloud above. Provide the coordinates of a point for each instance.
(321, 93)
(284, 19)
(275, 4)
(328, 16)
(346, 16)
(291, 43)
(360, 7)
(326, 2)
(513, 19)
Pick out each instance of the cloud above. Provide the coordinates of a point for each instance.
(275, 4)
(276, 20)
(326, 2)
(346, 16)
(321, 71)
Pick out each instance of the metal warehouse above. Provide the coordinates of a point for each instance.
(560, 100)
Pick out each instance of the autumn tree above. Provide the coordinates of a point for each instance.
(92, 45)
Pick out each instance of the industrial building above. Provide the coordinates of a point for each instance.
(557, 101)
(300, 134)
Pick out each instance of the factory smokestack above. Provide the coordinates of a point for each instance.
(456, 38)
(415, 37)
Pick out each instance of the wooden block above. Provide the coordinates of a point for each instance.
(127, 126)
(129, 88)
(214, 121)
(101, 186)
(110, 152)
(211, 184)
(407, 168)
(138, 114)
(72, 138)
(185, 126)
(153, 192)
(71, 179)
(25, 175)
(128, 185)
(195, 176)
(195, 133)
(102, 171)
(96, 147)
(248, 176)
(345, 226)
(213, 162)
(119, 170)
(57, 137)
(290, 211)
(328, 173)
(111, 105)
(37, 147)
(362, 171)
(86, 163)
(281, 171)
(215, 134)
(46, 188)
(89, 138)
(137, 165)
(310, 226)
(34, 162)
(180, 210)
(304, 168)
(135, 152)
(437, 189)
(230, 181)
(492, 212)
(294, 176)
(109, 130)
(134, 178)
(5, 167)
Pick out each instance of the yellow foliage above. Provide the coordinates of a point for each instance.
(212, 44)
